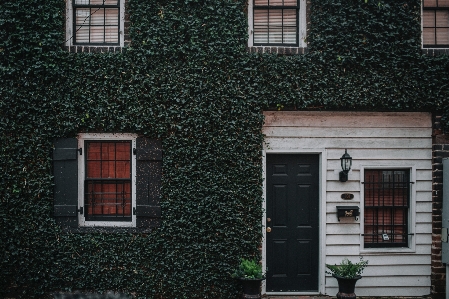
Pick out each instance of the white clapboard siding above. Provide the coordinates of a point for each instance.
(363, 143)
(373, 139)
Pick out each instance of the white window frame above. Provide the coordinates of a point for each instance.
(412, 211)
(81, 176)
(69, 30)
(301, 30)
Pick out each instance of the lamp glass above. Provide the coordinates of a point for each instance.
(346, 161)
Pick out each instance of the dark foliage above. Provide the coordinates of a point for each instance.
(187, 79)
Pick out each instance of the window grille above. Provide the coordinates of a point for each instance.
(96, 22)
(276, 22)
(108, 181)
(435, 23)
(387, 200)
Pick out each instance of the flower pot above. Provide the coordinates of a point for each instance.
(251, 288)
(346, 287)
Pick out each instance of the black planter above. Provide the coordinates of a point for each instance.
(346, 287)
(251, 288)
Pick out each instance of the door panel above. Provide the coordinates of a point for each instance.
(292, 214)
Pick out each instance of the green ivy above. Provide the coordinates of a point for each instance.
(188, 79)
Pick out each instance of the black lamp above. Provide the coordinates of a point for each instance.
(346, 163)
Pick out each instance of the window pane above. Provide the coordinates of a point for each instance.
(111, 16)
(428, 18)
(82, 16)
(442, 18)
(97, 16)
(443, 3)
(275, 25)
(276, 2)
(289, 35)
(260, 2)
(82, 34)
(290, 2)
(442, 36)
(104, 2)
(82, 2)
(261, 26)
(429, 36)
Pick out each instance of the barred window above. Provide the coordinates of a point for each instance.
(107, 184)
(386, 211)
(96, 22)
(435, 23)
(276, 22)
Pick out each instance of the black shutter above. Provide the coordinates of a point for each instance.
(65, 171)
(148, 182)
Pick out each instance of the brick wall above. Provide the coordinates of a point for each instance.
(440, 150)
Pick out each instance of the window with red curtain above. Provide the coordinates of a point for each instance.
(108, 181)
(387, 200)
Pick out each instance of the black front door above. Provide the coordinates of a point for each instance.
(292, 222)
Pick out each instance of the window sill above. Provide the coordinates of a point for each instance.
(391, 250)
(278, 50)
(95, 49)
(435, 51)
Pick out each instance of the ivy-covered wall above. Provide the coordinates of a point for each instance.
(188, 79)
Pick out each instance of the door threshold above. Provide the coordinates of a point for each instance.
(294, 296)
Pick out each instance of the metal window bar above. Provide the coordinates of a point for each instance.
(388, 193)
(282, 8)
(106, 191)
(105, 199)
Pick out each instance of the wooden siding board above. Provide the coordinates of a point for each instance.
(311, 132)
(407, 259)
(348, 119)
(358, 148)
(397, 291)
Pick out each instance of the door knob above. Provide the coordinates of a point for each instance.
(268, 219)
(268, 229)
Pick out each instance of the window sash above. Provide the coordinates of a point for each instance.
(107, 183)
(276, 22)
(435, 23)
(386, 211)
(96, 22)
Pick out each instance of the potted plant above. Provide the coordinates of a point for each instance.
(250, 274)
(347, 274)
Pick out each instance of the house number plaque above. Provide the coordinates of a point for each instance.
(347, 196)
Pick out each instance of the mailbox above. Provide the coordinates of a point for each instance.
(348, 211)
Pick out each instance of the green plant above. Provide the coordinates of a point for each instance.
(347, 269)
(248, 269)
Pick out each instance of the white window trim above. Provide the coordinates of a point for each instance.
(301, 30)
(412, 212)
(69, 31)
(81, 172)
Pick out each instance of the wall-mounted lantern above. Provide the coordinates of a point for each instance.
(348, 211)
(346, 163)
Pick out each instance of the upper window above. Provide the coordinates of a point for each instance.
(435, 23)
(107, 180)
(277, 23)
(95, 22)
(387, 205)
